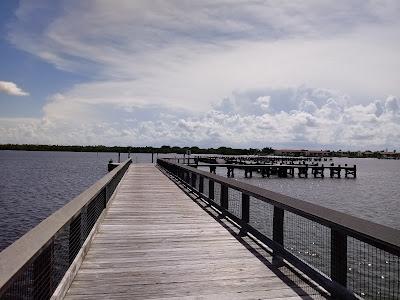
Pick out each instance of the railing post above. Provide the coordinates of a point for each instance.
(277, 229)
(201, 184)
(187, 180)
(339, 257)
(193, 177)
(211, 189)
(245, 208)
(224, 197)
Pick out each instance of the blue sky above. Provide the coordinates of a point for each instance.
(314, 74)
(37, 76)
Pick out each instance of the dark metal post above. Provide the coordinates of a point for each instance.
(245, 208)
(224, 197)
(194, 180)
(211, 189)
(201, 184)
(187, 177)
(152, 157)
(277, 231)
(339, 257)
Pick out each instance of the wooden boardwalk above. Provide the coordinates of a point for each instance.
(157, 243)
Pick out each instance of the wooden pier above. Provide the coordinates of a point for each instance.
(260, 159)
(284, 170)
(155, 242)
(172, 231)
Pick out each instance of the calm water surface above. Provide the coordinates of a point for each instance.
(374, 195)
(35, 184)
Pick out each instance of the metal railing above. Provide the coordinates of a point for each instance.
(349, 257)
(33, 266)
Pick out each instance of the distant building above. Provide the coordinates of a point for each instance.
(318, 153)
(302, 152)
(290, 152)
(390, 155)
(368, 153)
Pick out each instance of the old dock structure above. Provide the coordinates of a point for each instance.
(258, 159)
(172, 231)
(284, 170)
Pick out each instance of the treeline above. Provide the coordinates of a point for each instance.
(147, 149)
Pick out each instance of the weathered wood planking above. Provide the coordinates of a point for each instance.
(156, 243)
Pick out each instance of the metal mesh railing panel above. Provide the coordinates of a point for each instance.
(74, 238)
(261, 216)
(39, 278)
(21, 287)
(114, 183)
(372, 273)
(197, 182)
(206, 190)
(94, 210)
(235, 202)
(42, 270)
(62, 259)
(314, 245)
(217, 193)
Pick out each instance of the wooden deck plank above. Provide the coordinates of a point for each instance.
(156, 243)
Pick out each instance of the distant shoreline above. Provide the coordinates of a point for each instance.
(197, 150)
(130, 149)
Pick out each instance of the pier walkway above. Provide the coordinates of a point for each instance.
(172, 231)
(156, 242)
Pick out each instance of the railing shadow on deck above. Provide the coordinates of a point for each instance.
(34, 265)
(295, 280)
(349, 257)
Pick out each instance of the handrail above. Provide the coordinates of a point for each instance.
(341, 225)
(22, 252)
(385, 235)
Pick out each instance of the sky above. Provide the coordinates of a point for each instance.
(284, 74)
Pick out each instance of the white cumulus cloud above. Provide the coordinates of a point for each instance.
(12, 89)
(215, 72)
(319, 122)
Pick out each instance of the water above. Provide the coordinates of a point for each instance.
(35, 184)
(374, 195)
